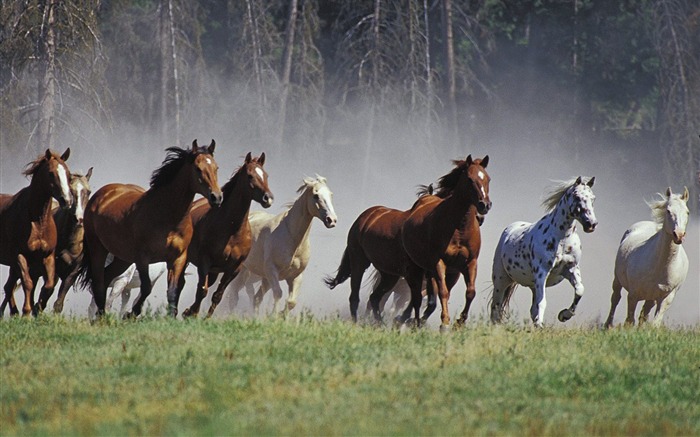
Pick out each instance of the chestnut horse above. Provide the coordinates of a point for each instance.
(144, 227)
(435, 230)
(376, 237)
(222, 238)
(28, 231)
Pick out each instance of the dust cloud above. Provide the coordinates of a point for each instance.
(387, 173)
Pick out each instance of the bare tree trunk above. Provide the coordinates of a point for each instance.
(257, 68)
(428, 76)
(286, 69)
(450, 88)
(373, 90)
(164, 75)
(47, 84)
(176, 85)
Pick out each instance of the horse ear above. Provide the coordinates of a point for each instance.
(66, 154)
(590, 183)
(89, 174)
(578, 181)
(261, 160)
(248, 158)
(47, 155)
(668, 192)
(211, 147)
(195, 147)
(469, 160)
(485, 161)
(685, 195)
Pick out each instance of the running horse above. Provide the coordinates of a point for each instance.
(542, 254)
(147, 226)
(443, 230)
(376, 237)
(222, 237)
(28, 230)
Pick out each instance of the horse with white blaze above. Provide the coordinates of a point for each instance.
(651, 263)
(542, 254)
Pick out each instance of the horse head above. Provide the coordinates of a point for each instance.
(480, 179)
(580, 203)
(205, 175)
(675, 215)
(51, 170)
(80, 190)
(257, 179)
(320, 200)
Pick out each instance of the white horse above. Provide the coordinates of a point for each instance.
(281, 248)
(542, 254)
(124, 283)
(651, 263)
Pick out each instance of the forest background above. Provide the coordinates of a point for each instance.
(376, 95)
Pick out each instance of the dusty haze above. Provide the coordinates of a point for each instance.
(521, 167)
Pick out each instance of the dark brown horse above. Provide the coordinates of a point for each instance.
(436, 229)
(69, 247)
(27, 228)
(222, 239)
(143, 227)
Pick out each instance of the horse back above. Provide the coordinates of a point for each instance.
(377, 234)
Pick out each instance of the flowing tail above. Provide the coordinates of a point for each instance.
(342, 274)
(84, 277)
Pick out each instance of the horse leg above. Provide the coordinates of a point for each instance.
(444, 293)
(646, 309)
(662, 306)
(49, 275)
(260, 295)
(226, 279)
(294, 285)
(503, 287)
(385, 284)
(202, 290)
(146, 288)
(614, 300)
(176, 270)
(10, 287)
(66, 284)
(470, 294)
(27, 283)
(631, 309)
(539, 301)
(574, 277)
(235, 287)
(358, 265)
(119, 288)
(431, 290)
(414, 279)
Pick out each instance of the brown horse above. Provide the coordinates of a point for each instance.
(69, 247)
(27, 228)
(143, 227)
(436, 228)
(222, 239)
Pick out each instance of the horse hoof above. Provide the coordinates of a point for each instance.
(444, 329)
(188, 313)
(565, 315)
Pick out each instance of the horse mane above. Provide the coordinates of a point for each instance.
(557, 191)
(424, 190)
(173, 162)
(33, 166)
(658, 208)
(311, 181)
(448, 182)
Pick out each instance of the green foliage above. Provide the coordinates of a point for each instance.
(308, 376)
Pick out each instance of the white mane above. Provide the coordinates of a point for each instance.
(557, 191)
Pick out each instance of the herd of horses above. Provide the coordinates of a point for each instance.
(125, 236)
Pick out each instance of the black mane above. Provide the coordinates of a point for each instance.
(173, 162)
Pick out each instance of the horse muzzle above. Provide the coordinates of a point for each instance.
(678, 237)
(330, 221)
(483, 207)
(589, 227)
(267, 200)
(215, 199)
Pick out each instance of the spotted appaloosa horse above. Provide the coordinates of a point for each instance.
(542, 254)
(651, 263)
(28, 231)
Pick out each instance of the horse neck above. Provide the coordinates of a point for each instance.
(174, 198)
(70, 235)
(665, 249)
(298, 219)
(451, 211)
(558, 222)
(237, 204)
(39, 207)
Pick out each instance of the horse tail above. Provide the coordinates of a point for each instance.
(342, 274)
(84, 278)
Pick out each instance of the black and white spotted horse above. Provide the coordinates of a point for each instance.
(542, 254)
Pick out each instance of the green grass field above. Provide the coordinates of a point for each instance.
(304, 376)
